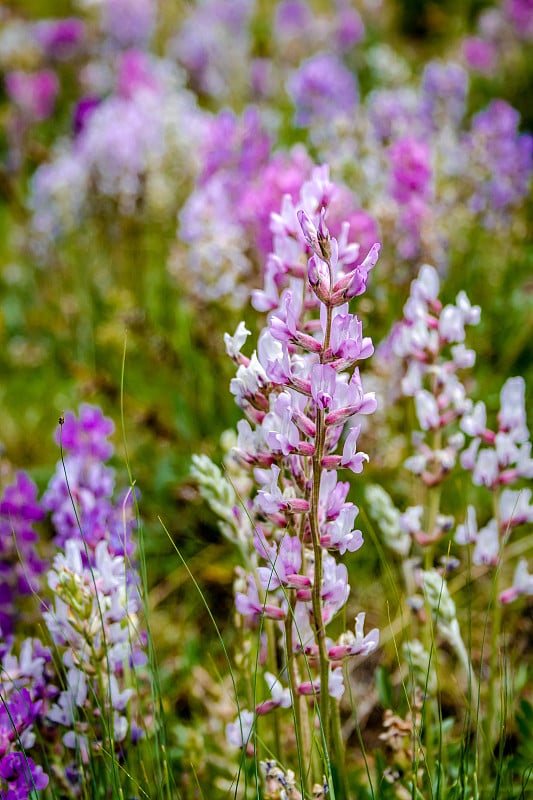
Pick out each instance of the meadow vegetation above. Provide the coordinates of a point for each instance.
(266, 316)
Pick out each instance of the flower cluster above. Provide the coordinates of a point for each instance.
(92, 616)
(214, 45)
(133, 149)
(34, 93)
(321, 87)
(429, 343)
(93, 624)
(20, 566)
(410, 187)
(297, 391)
(80, 494)
(411, 144)
(225, 221)
(500, 160)
(500, 38)
(26, 690)
(497, 459)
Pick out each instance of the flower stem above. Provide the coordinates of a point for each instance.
(302, 736)
(273, 667)
(494, 654)
(320, 630)
(340, 750)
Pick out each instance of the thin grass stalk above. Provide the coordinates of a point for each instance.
(217, 631)
(155, 686)
(109, 711)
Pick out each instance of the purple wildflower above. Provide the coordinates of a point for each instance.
(34, 93)
(520, 12)
(86, 435)
(20, 777)
(20, 565)
(479, 55)
(501, 161)
(60, 38)
(80, 494)
(444, 90)
(82, 112)
(297, 391)
(129, 23)
(322, 88)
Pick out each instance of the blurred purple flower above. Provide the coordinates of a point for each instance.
(134, 73)
(21, 777)
(82, 113)
(411, 172)
(479, 55)
(238, 733)
(444, 90)
(129, 23)
(87, 435)
(501, 160)
(520, 12)
(349, 27)
(20, 566)
(34, 93)
(60, 38)
(322, 88)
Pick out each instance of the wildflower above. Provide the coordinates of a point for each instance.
(350, 645)
(20, 565)
(500, 160)
(279, 784)
(34, 93)
(479, 54)
(127, 23)
(60, 39)
(80, 494)
(93, 624)
(321, 87)
(335, 685)
(522, 583)
(424, 341)
(239, 733)
(249, 605)
(281, 698)
(285, 562)
(20, 776)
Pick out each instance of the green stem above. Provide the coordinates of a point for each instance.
(302, 737)
(430, 706)
(494, 654)
(316, 594)
(340, 750)
(473, 689)
(273, 668)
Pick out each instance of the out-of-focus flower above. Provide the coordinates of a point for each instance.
(34, 93)
(239, 733)
(20, 565)
(60, 39)
(520, 12)
(479, 55)
(322, 88)
(129, 23)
